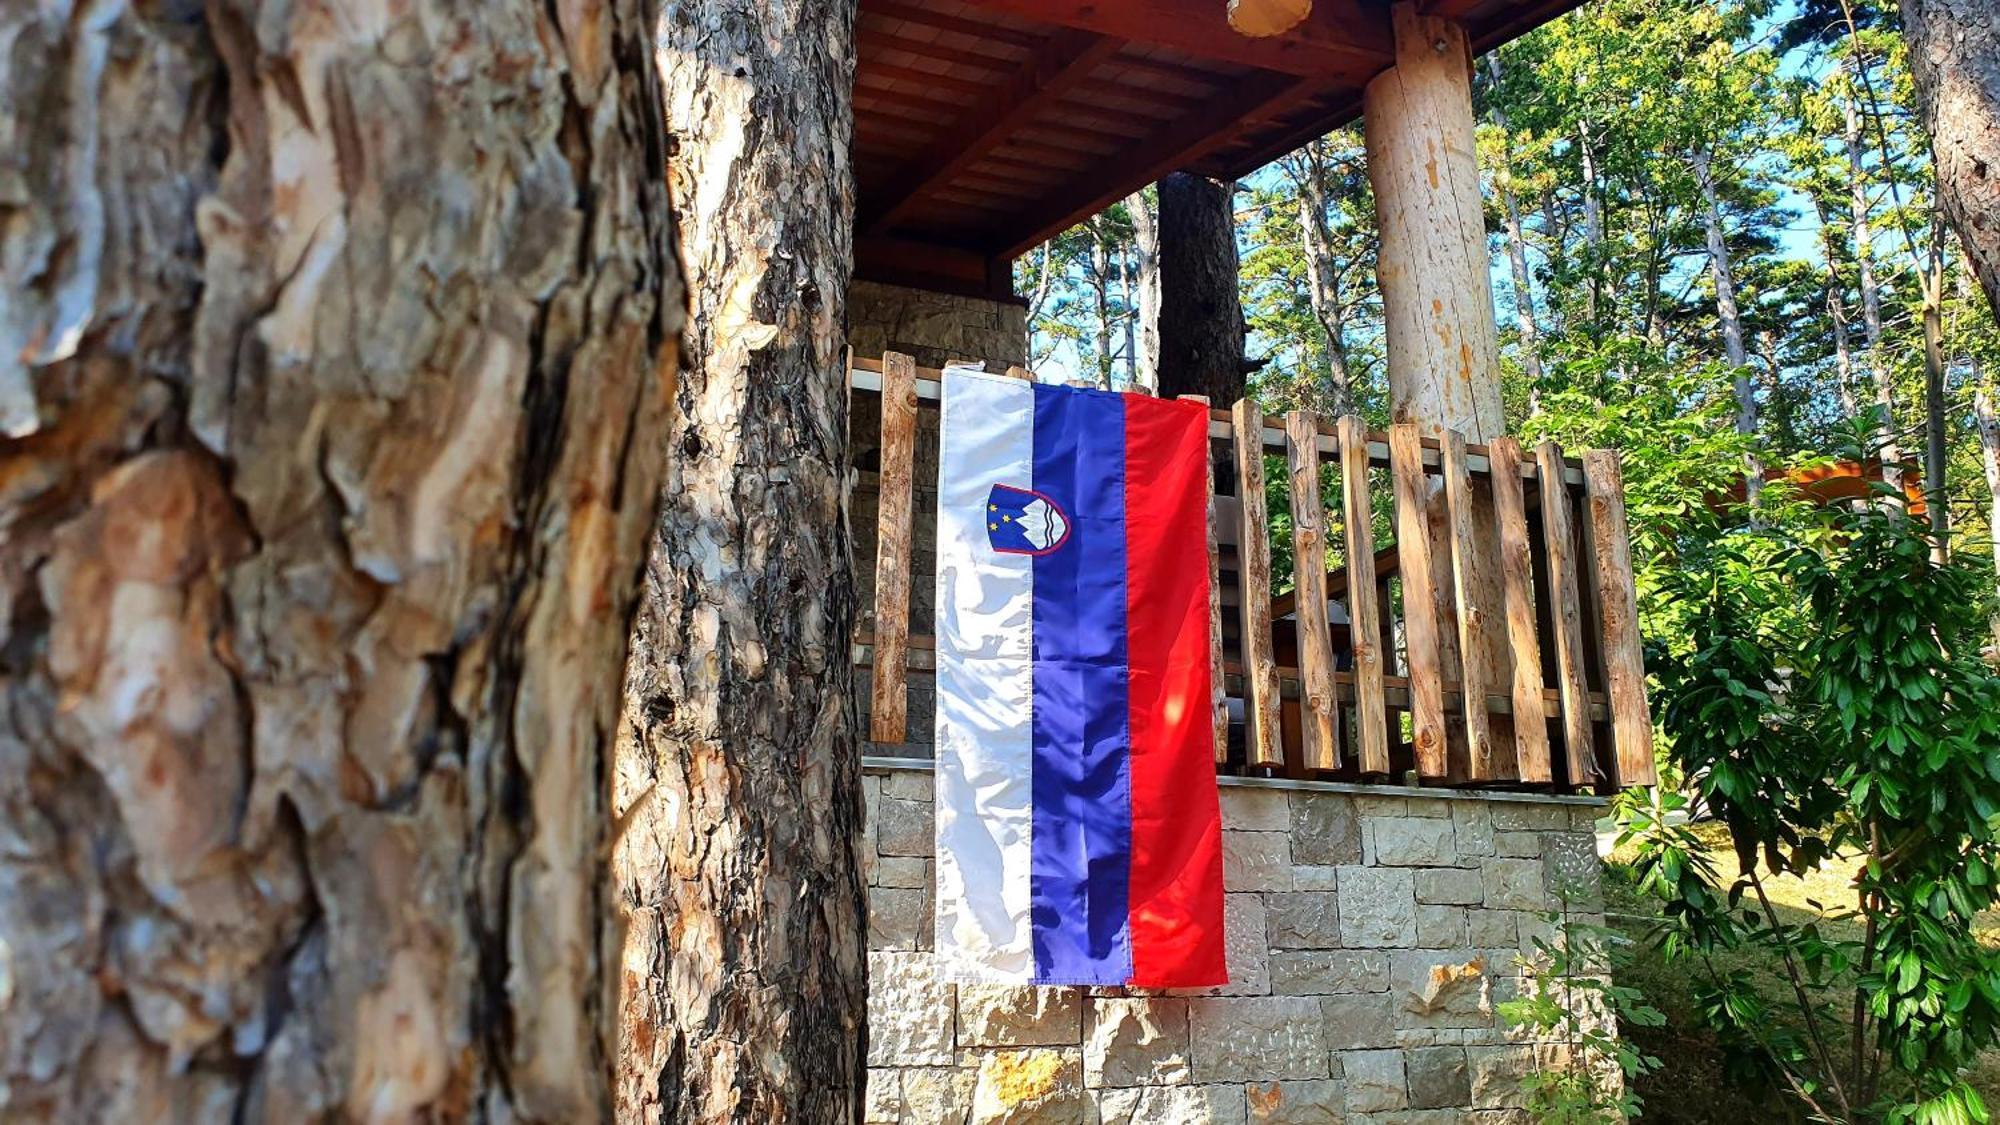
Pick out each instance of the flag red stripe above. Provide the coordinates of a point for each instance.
(1176, 879)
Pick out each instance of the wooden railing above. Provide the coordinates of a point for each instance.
(1493, 642)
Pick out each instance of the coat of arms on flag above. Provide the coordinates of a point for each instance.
(1078, 835)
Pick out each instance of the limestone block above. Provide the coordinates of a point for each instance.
(1378, 908)
(1171, 1105)
(1496, 1074)
(1450, 886)
(1520, 845)
(1408, 841)
(1513, 884)
(1306, 919)
(1472, 828)
(1320, 972)
(885, 1097)
(1380, 804)
(1030, 1086)
(909, 1011)
(1585, 818)
(1490, 929)
(1136, 1042)
(904, 827)
(1448, 988)
(998, 1015)
(937, 1094)
(899, 918)
(909, 785)
(1256, 861)
(1571, 872)
(1362, 1021)
(1312, 1102)
(1529, 816)
(1437, 807)
(902, 871)
(1249, 1038)
(1245, 946)
(1313, 877)
(1374, 1080)
(1438, 1078)
(1255, 808)
(1440, 927)
(1326, 828)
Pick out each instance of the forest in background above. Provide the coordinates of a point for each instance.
(1715, 242)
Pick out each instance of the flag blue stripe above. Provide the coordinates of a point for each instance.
(1080, 734)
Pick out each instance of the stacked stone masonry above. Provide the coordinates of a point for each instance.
(935, 328)
(1369, 939)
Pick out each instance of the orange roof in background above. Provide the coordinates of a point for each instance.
(1843, 480)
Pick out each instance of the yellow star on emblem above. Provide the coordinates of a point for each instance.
(992, 527)
(1006, 519)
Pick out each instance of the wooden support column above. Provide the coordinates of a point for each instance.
(1443, 344)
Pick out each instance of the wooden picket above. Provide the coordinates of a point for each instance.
(1319, 711)
(1253, 555)
(889, 701)
(1218, 686)
(1618, 618)
(1420, 624)
(1559, 555)
(1517, 579)
(1366, 639)
(1472, 613)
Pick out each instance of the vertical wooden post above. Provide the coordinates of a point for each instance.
(1364, 608)
(1253, 553)
(1517, 576)
(1432, 266)
(1618, 617)
(1319, 709)
(1420, 623)
(1565, 614)
(1218, 687)
(889, 699)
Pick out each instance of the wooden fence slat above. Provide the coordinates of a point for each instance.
(1364, 613)
(1473, 614)
(1420, 624)
(1618, 618)
(1565, 614)
(1319, 712)
(1218, 689)
(1020, 373)
(1517, 575)
(1253, 548)
(889, 700)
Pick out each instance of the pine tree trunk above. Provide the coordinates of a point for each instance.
(1593, 220)
(1836, 311)
(1732, 322)
(1955, 59)
(738, 872)
(1988, 419)
(1201, 311)
(1879, 377)
(1100, 283)
(1517, 256)
(1146, 246)
(337, 356)
(1323, 273)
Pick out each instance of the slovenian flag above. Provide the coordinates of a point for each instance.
(1078, 835)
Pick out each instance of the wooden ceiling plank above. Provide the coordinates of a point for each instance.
(1064, 61)
(1259, 97)
(1336, 37)
(930, 17)
(869, 69)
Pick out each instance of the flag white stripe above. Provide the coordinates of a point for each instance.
(985, 605)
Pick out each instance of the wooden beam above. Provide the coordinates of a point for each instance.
(1257, 97)
(925, 265)
(1339, 35)
(1052, 69)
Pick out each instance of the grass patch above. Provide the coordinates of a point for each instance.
(1692, 1086)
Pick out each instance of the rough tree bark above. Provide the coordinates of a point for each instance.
(1955, 59)
(739, 871)
(1201, 311)
(337, 352)
(1724, 276)
(1146, 246)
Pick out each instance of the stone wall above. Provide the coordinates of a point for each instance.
(935, 328)
(1369, 936)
